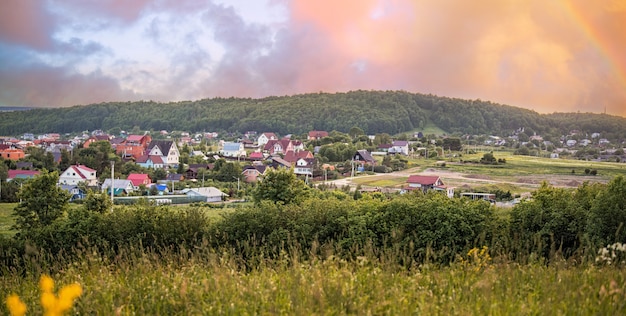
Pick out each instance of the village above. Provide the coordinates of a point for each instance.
(178, 165)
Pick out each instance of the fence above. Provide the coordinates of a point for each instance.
(161, 199)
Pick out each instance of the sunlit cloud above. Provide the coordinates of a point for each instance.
(564, 55)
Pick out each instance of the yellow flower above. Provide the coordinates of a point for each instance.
(15, 305)
(46, 284)
(48, 301)
(67, 295)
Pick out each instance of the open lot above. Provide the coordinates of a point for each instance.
(520, 174)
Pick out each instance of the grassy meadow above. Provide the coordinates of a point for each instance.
(206, 280)
(210, 284)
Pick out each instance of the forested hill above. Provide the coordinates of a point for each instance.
(373, 111)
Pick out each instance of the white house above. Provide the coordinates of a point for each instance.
(399, 147)
(76, 174)
(304, 166)
(166, 149)
(118, 184)
(266, 137)
(212, 194)
(233, 150)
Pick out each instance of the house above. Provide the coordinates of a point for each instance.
(12, 154)
(21, 174)
(76, 192)
(133, 146)
(426, 183)
(148, 161)
(293, 156)
(554, 155)
(265, 137)
(571, 142)
(279, 146)
(76, 174)
(314, 135)
(174, 177)
(138, 179)
(194, 170)
(120, 186)
(256, 155)
(384, 148)
(277, 162)
(297, 145)
(167, 149)
(399, 147)
(253, 173)
(364, 157)
(96, 138)
(233, 150)
(211, 194)
(304, 166)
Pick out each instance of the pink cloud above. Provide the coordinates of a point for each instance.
(26, 22)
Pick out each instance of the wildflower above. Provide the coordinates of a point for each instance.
(15, 305)
(46, 284)
(53, 305)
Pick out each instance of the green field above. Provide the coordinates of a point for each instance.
(525, 165)
(6, 219)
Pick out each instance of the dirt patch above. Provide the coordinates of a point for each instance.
(573, 183)
(529, 181)
(477, 176)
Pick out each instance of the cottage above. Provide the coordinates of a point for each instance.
(151, 161)
(253, 173)
(315, 135)
(364, 157)
(304, 166)
(266, 137)
(76, 174)
(426, 183)
(120, 186)
(167, 149)
(399, 147)
(233, 150)
(139, 179)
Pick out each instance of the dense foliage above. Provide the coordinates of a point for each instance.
(370, 111)
(406, 229)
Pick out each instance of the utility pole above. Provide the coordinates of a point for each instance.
(112, 187)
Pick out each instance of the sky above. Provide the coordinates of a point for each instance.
(547, 56)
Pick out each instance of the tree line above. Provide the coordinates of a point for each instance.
(374, 112)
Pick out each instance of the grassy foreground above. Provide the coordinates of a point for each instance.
(211, 284)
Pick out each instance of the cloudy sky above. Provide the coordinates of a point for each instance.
(558, 55)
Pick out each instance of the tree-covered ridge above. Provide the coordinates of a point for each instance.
(373, 111)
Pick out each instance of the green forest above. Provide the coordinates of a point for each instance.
(391, 112)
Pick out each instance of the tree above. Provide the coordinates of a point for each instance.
(607, 216)
(97, 202)
(280, 186)
(488, 158)
(355, 131)
(453, 144)
(42, 202)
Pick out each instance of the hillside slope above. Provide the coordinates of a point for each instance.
(373, 111)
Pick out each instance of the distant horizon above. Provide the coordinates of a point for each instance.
(27, 107)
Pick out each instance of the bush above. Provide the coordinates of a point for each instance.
(382, 169)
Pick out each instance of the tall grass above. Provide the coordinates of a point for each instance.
(205, 281)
